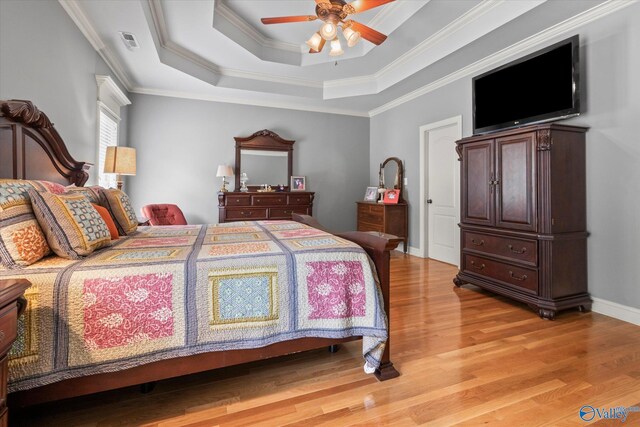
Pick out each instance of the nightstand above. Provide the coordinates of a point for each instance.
(12, 304)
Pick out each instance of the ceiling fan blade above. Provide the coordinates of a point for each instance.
(362, 5)
(287, 19)
(320, 47)
(368, 33)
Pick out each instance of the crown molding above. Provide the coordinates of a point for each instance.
(413, 60)
(249, 30)
(568, 25)
(109, 88)
(248, 101)
(165, 42)
(73, 9)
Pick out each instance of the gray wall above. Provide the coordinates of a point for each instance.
(612, 108)
(181, 142)
(46, 59)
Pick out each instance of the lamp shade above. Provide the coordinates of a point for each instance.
(120, 160)
(224, 170)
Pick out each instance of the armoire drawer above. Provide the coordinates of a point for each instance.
(520, 250)
(366, 214)
(246, 213)
(524, 279)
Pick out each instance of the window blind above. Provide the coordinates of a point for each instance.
(108, 138)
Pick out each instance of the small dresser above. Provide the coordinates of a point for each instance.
(390, 219)
(12, 303)
(238, 206)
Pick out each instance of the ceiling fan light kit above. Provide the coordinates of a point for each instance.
(336, 48)
(314, 41)
(333, 14)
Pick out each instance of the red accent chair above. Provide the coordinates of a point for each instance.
(164, 214)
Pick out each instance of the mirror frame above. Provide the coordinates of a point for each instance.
(399, 175)
(264, 140)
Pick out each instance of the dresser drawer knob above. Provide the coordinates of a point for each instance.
(237, 200)
(521, 278)
(516, 251)
(477, 267)
(246, 213)
(257, 200)
(475, 242)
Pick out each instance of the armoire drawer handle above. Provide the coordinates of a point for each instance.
(477, 267)
(288, 212)
(246, 213)
(515, 251)
(237, 200)
(513, 276)
(475, 242)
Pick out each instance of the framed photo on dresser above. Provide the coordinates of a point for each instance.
(391, 196)
(298, 183)
(371, 195)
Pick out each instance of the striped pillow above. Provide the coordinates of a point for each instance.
(119, 206)
(21, 239)
(72, 226)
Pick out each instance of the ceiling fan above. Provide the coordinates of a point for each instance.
(334, 13)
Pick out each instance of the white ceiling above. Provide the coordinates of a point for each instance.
(219, 50)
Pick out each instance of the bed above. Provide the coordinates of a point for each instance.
(209, 296)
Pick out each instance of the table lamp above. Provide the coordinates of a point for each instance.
(224, 171)
(121, 161)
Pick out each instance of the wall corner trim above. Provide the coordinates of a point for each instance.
(618, 311)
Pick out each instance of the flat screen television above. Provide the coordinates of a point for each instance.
(539, 87)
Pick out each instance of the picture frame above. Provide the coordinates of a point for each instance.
(371, 195)
(391, 196)
(298, 183)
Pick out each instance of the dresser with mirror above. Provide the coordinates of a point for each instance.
(263, 160)
(383, 217)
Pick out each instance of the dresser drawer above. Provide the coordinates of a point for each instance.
(299, 199)
(524, 279)
(238, 200)
(374, 214)
(269, 200)
(246, 213)
(521, 250)
(285, 213)
(367, 226)
(8, 327)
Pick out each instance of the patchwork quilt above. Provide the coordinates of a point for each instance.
(167, 292)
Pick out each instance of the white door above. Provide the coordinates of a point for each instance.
(440, 190)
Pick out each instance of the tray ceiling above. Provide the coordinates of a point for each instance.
(219, 50)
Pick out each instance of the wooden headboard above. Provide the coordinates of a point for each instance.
(31, 148)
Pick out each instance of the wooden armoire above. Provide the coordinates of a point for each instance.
(523, 216)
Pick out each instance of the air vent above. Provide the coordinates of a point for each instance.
(129, 40)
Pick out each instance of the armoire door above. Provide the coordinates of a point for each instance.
(515, 186)
(477, 176)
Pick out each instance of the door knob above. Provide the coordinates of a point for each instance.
(429, 201)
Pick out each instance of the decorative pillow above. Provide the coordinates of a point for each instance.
(72, 226)
(21, 239)
(119, 206)
(91, 193)
(106, 217)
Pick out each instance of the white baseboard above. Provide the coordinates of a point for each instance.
(618, 311)
(412, 251)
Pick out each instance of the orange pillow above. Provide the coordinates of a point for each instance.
(106, 216)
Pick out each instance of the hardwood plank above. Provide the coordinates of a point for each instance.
(466, 357)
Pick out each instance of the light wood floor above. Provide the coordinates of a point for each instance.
(465, 357)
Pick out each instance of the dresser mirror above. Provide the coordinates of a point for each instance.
(265, 158)
(391, 174)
